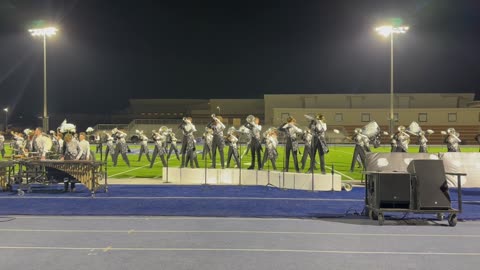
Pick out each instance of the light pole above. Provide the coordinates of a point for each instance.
(44, 32)
(6, 118)
(219, 110)
(390, 30)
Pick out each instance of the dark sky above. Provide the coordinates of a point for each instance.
(109, 51)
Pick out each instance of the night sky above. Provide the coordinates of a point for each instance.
(109, 51)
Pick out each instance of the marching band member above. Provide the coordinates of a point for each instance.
(61, 143)
(85, 147)
(307, 150)
(42, 144)
(160, 141)
(402, 139)
(29, 147)
(291, 130)
(453, 140)
(422, 142)
(99, 143)
(362, 143)
(18, 143)
(143, 145)
(319, 144)
(72, 151)
(208, 140)
(2, 145)
(188, 128)
(121, 147)
(254, 130)
(231, 141)
(173, 144)
(477, 138)
(110, 148)
(271, 143)
(218, 141)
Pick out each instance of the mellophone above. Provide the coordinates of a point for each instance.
(92, 174)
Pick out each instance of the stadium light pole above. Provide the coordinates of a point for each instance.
(44, 32)
(6, 118)
(390, 30)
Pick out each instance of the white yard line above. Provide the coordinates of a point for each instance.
(131, 170)
(131, 231)
(253, 250)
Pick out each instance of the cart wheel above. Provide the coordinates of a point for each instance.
(381, 219)
(440, 216)
(452, 220)
(372, 215)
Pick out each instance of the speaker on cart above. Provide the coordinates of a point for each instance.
(430, 185)
(389, 190)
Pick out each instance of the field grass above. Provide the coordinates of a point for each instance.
(340, 158)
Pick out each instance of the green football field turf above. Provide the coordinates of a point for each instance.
(339, 157)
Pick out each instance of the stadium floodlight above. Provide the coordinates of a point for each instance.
(47, 31)
(44, 32)
(386, 31)
(6, 118)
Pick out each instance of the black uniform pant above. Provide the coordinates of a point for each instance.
(156, 153)
(191, 158)
(358, 152)
(232, 152)
(217, 144)
(289, 148)
(256, 150)
(307, 151)
(111, 153)
(183, 150)
(317, 147)
(118, 151)
(272, 160)
(173, 148)
(144, 149)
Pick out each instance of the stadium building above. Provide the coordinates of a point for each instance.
(436, 111)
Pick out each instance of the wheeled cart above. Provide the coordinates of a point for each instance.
(376, 210)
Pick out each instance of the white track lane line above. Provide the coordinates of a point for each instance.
(187, 198)
(253, 250)
(130, 231)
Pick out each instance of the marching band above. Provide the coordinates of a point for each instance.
(64, 144)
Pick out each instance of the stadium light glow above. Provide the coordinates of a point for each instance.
(390, 31)
(47, 31)
(44, 32)
(387, 30)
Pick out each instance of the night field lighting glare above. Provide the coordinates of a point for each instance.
(44, 32)
(391, 30)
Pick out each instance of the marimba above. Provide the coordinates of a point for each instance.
(92, 174)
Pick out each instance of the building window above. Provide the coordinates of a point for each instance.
(339, 117)
(422, 117)
(365, 117)
(452, 117)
